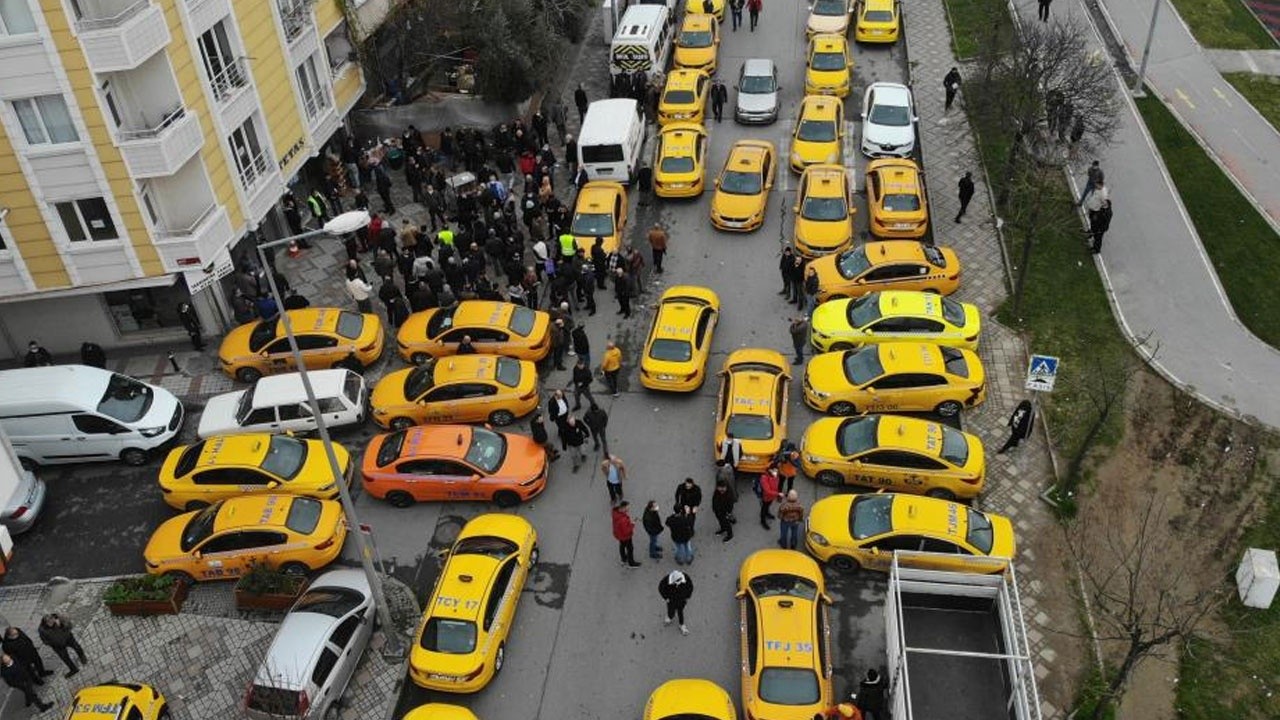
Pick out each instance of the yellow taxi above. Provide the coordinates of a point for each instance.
(829, 70)
(689, 699)
(742, 190)
(495, 328)
(752, 405)
(887, 265)
(599, 212)
(684, 98)
(824, 211)
(195, 476)
(895, 199)
(895, 377)
(707, 7)
(697, 43)
(894, 316)
(853, 531)
(440, 711)
(675, 354)
(221, 542)
(819, 132)
(461, 388)
(829, 16)
(680, 161)
(786, 636)
(877, 21)
(904, 454)
(461, 642)
(327, 337)
(118, 701)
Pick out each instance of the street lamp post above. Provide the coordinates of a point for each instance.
(345, 223)
(1146, 50)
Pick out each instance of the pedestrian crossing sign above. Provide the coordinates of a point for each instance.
(1042, 371)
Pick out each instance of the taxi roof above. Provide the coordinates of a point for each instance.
(697, 21)
(747, 154)
(101, 702)
(897, 303)
(465, 578)
(878, 5)
(679, 138)
(311, 320)
(828, 42)
(896, 357)
(676, 318)
(482, 313)
(450, 441)
(909, 433)
(597, 194)
(459, 368)
(819, 106)
(897, 171)
(253, 511)
(248, 449)
(917, 513)
(894, 251)
(825, 180)
(684, 78)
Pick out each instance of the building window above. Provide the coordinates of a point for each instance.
(339, 48)
(226, 72)
(45, 120)
(87, 220)
(251, 160)
(314, 97)
(16, 18)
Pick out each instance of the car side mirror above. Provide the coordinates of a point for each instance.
(875, 551)
(197, 554)
(795, 208)
(273, 484)
(864, 116)
(871, 390)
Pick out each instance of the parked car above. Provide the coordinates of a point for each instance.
(757, 96)
(24, 504)
(278, 403)
(888, 121)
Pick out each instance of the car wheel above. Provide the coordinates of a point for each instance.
(841, 347)
(182, 577)
(195, 505)
(248, 375)
(949, 408)
(499, 657)
(419, 358)
(941, 494)
(502, 417)
(844, 563)
(134, 456)
(842, 408)
(830, 478)
(506, 499)
(402, 423)
(399, 498)
(295, 568)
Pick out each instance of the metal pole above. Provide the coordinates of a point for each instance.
(348, 507)
(1146, 50)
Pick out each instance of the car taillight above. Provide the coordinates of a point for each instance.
(971, 338)
(973, 481)
(531, 394)
(954, 277)
(304, 703)
(369, 347)
(473, 674)
(22, 510)
(325, 545)
(248, 697)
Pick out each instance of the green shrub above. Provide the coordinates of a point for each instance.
(139, 588)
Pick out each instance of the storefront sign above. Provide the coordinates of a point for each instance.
(292, 152)
(208, 276)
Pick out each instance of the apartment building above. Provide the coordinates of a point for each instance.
(143, 143)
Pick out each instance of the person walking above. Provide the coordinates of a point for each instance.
(581, 343)
(623, 290)
(575, 434)
(799, 330)
(810, 291)
(55, 633)
(582, 378)
(538, 431)
(722, 501)
(615, 472)
(658, 246)
(730, 450)
(871, 696)
(1099, 223)
(719, 96)
(18, 645)
(766, 488)
(788, 466)
(965, 193)
(382, 181)
(359, 289)
(652, 521)
(735, 9)
(1094, 178)
(1043, 10)
(580, 100)
(753, 9)
(688, 498)
(623, 530)
(676, 588)
(191, 323)
(680, 524)
(798, 265)
(1020, 424)
(19, 678)
(597, 421)
(559, 344)
(611, 366)
(951, 85)
(790, 518)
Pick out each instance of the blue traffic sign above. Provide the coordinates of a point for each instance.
(1042, 371)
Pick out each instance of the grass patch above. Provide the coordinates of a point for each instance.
(1226, 24)
(1262, 91)
(1240, 242)
(976, 24)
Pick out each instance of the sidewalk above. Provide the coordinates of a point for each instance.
(1258, 62)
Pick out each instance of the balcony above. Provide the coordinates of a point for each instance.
(196, 245)
(253, 170)
(230, 81)
(163, 148)
(120, 38)
(296, 16)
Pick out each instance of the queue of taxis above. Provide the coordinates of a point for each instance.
(684, 98)
(679, 341)
(895, 377)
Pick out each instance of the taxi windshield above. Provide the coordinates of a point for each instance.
(871, 515)
(953, 312)
(126, 399)
(857, 435)
(592, 224)
(678, 97)
(508, 372)
(853, 263)
(304, 515)
(980, 534)
(830, 7)
(522, 321)
(454, 637)
(902, 202)
(669, 350)
(827, 61)
(892, 115)
(285, 457)
(199, 527)
(775, 584)
(676, 164)
(737, 182)
(487, 545)
(823, 209)
(816, 131)
(863, 366)
(332, 601)
(695, 38)
(789, 686)
(864, 311)
(487, 451)
(955, 446)
(440, 321)
(350, 325)
(750, 427)
(262, 333)
(419, 381)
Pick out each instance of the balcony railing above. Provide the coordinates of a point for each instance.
(86, 24)
(253, 170)
(231, 78)
(296, 15)
(144, 133)
(173, 233)
(315, 104)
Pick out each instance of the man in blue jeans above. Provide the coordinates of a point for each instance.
(680, 523)
(652, 521)
(790, 517)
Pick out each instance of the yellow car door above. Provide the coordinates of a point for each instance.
(278, 356)
(440, 403)
(221, 556)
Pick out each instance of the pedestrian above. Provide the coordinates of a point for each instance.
(652, 521)
(1099, 223)
(730, 450)
(870, 698)
(611, 366)
(582, 378)
(722, 501)
(688, 497)
(55, 633)
(580, 100)
(797, 281)
(623, 290)
(19, 678)
(382, 181)
(766, 488)
(799, 330)
(597, 421)
(93, 355)
(319, 210)
(359, 289)
(19, 646)
(615, 472)
(560, 119)
(951, 84)
(581, 344)
(966, 194)
(574, 434)
(1043, 10)
(295, 301)
(719, 95)
(37, 356)
(559, 343)
(810, 291)
(1099, 197)
(1093, 178)
(658, 246)
(784, 269)
(753, 9)
(680, 524)
(676, 588)
(623, 530)
(790, 518)
(788, 466)
(1020, 424)
(735, 10)
(538, 431)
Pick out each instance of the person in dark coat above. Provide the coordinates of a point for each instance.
(722, 501)
(680, 523)
(296, 301)
(19, 646)
(92, 354)
(580, 100)
(55, 632)
(676, 588)
(597, 420)
(951, 85)
(538, 431)
(466, 347)
(1020, 424)
(796, 274)
(574, 434)
(1099, 223)
(965, 194)
(652, 521)
(191, 323)
(785, 262)
(688, 497)
(719, 96)
(582, 378)
(623, 290)
(37, 356)
(17, 677)
(382, 181)
(871, 692)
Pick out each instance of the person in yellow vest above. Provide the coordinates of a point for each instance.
(610, 365)
(568, 247)
(445, 236)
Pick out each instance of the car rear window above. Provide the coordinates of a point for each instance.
(980, 534)
(863, 366)
(669, 350)
(901, 202)
(953, 312)
(750, 427)
(508, 372)
(454, 637)
(522, 320)
(871, 515)
(187, 462)
(487, 545)
(680, 164)
(679, 97)
(878, 15)
(304, 515)
(440, 321)
(789, 686)
(601, 153)
(390, 449)
(350, 325)
(332, 601)
(775, 584)
(830, 7)
(273, 700)
(954, 361)
(853, 263)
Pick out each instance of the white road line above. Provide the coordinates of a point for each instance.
(784, 155)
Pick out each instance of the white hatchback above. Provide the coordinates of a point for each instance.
(888, 121)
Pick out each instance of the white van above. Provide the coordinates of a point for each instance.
(611, 140)
(76, 413)
(643, 40)
(278, 403)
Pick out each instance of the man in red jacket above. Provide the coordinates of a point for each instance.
(623, 528)
(767, 490)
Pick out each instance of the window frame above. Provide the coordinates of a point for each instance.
(84, 228)
(37, 112)
(4, 28)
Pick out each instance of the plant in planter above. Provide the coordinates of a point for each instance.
(267, 588)
(145, 595)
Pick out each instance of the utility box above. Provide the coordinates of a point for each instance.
(1258, 578)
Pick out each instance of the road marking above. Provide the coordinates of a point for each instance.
(849, 150)
(1222, 96)
(784, 155)
(1183, 97)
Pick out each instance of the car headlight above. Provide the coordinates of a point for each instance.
(795, 157)
(813, 459)
(818, 539)
(818, 335)
(819, 394)
(151, 431)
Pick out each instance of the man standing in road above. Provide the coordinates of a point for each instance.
(951, 84)
(574, 434)
(582, 378)
(652, 521)
(790, 517)
(55, 632)
(730, 450)
(658, 245)
(1043, 11)
(1099, 223)
(722, 501)
(623, 530)
(735, 10)
(623, 290)
(359, 289)
(688, 498)
(19, 678)
(966, 194)
(766, 489)
(614, 472)
(611, 365)
(799, 330)
(680, 524)
(753, 9)
(676, 588)
(719, 95)
(597, 420)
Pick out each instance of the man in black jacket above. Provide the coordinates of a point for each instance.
(17, 677)
(582, 378)
(676, 588)
(55, 632)
(722, 501)
(688, 496)
(18, 645)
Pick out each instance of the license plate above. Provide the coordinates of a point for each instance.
(903, 226)
(604, 171)
(728, 223)
(666, 377)
(676, 186)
